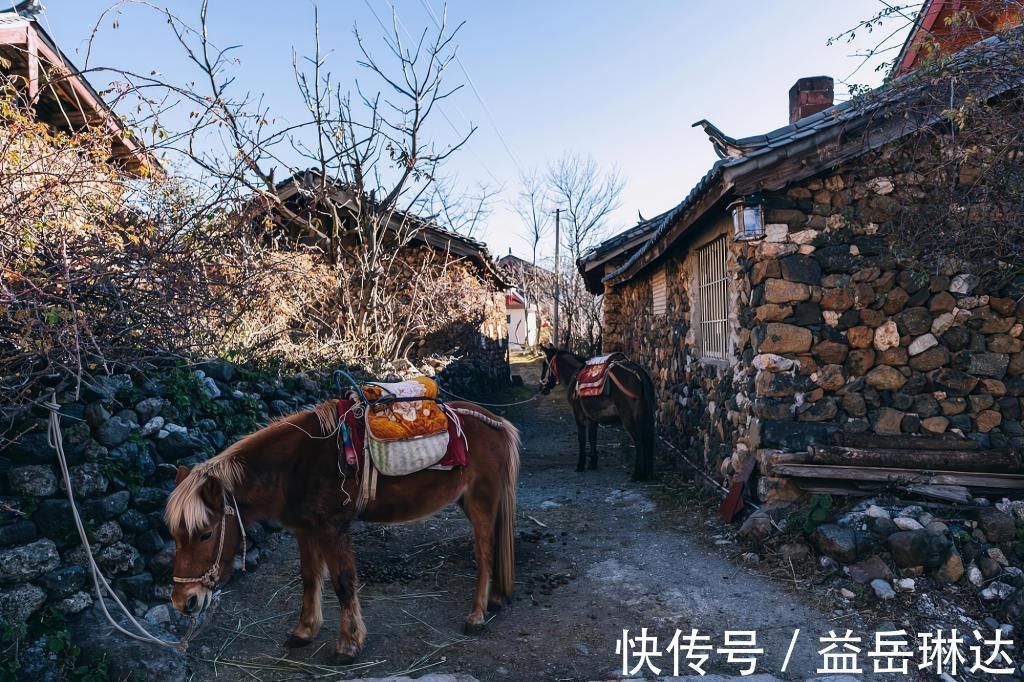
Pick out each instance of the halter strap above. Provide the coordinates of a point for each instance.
(212, 574)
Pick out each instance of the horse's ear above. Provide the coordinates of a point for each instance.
(212, 493)
(182, 473)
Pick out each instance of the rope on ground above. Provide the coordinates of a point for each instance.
(100, 584)
(694, 466)
(477, 402)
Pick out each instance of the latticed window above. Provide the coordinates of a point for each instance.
(713, 301)
(659, 292)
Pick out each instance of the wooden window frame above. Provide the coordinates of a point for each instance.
(714, 340)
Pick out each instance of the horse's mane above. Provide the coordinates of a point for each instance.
(186, 509)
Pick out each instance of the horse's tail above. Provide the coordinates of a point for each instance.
(505, 521)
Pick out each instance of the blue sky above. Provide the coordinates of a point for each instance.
(620, 81)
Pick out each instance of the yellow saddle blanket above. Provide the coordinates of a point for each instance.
(404, 419)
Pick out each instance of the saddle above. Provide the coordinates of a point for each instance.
(592, 379)
(399, 430)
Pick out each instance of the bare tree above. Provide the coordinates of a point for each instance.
(587, 196)
(533, 208)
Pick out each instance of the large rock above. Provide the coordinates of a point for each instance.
(953, 381)
(785, 338)
(919, 548)
(837, 542)
(20, 602)
(18, 533)
(28, 562)
(914, 321)
(114, 431)
(104, 508)
(34, 480)
(120, 558)
(221, 370)
(106, 387)
(887, 336)
(800, 268)
(886, 378)
(127, 658)
(149, 408)
(997, 526)
(88, 480)
(989, 365)
(952, 570)
(64, 581)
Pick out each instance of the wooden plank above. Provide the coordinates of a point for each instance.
(938, 442)
(986, 461)
(901, 476)
(947, 493)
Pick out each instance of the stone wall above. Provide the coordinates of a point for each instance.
(123, 440)
(879, 342)
(703, 406)
(848, 330)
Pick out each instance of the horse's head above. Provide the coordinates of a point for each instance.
(548, 369)
(207, 530)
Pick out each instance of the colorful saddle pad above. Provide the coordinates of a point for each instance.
(402, 418)
(592, 377)
(403, 436)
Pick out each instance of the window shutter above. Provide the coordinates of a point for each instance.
(659, 292)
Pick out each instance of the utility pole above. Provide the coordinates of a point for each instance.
(558, 274)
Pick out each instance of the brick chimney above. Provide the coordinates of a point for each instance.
(809, 96)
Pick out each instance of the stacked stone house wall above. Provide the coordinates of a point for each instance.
(833, 329)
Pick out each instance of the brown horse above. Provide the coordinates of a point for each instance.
(291, 471)
(630, 401)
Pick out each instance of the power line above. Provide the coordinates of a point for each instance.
(472, 85)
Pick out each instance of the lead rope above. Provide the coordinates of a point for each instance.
(56, 440)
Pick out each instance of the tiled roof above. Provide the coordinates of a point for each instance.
(762, 151)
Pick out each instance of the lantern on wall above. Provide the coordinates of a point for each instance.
(748, 218)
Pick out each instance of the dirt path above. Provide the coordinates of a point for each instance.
(609, 556)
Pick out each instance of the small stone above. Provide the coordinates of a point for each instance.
(847, 594)
(20, 602)
(76, 603)
(883, 590)
(877, 512)
(904, 584)
(837, 542)
(952, 570)
(974, 576)
(997, 554)
(935, 424)
(996, 590)
(922, 343)
(869, 569)
(887, 336)
(964, 284)
(152, 427)
(770, 362)
(905, 523)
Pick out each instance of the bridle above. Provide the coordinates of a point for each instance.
(212, 575)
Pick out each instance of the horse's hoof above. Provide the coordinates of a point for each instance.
(347, 657)
(294, 642)
(473, 628)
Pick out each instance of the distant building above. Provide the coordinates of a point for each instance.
(529, 307)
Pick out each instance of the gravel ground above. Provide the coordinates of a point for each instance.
(596, 555)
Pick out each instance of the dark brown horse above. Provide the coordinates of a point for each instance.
(291, 472)
(630, 401)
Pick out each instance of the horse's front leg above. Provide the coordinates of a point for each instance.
(311, 568)
(592, 433)
(341, 563)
